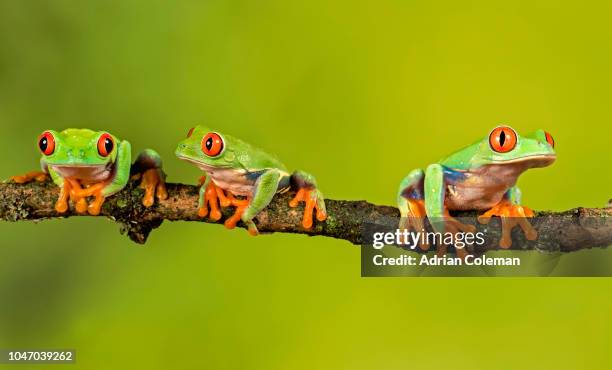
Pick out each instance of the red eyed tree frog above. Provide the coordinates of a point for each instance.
(481, 176)
(86, 163)
(245, 177)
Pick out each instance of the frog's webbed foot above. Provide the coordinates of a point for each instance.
(148, 167)
(214, 197)
(454, 226)
(314, 202)
(37, 176)
(413, 218)
(450, 224)
(79, 195)
(307, 191)
(154, 185)
(241, 206)
(61, 206)
(511, 215)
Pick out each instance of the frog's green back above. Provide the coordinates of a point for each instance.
(231, 151)
(463, 159)
(251, 157)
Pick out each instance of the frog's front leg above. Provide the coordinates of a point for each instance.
(38, 176)
(512, 214)
(308, 192)
(439, 217)
(61, 205)
(246, 209)
(411, 204)
(102, 190)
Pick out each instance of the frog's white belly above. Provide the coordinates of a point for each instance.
(233, 180)
(86, 174)
(481, 188)
(461, 198)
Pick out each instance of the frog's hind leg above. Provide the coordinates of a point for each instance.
(308, 192)
(512, 214)
(148, 166)
(246, 209)
(412, 205)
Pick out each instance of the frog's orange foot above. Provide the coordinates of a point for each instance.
(455, 227)
(61, 206)
(71, 192)
(80, 205)
(314, 202)
(79, 194)
(511, 215)
(241, 205)
(415, 220)
(37, 176)
(154, 186)
(212, 200)
(95, 206)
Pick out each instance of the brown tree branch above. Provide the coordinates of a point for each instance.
(567, 231)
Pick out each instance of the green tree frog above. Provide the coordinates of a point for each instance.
(245, 177)
(86, 163)
(481, 176)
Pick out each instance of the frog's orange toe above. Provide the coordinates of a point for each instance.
(307, 217)
(213, 202)
(215, 214)
(224, 200)
(202, 212)
(161, 192)
(253, 231)
(81, 205)
(321, 215)
(95, 207)
(37, 176)
(415, 220)
(511, 215)
(299, 196)
(241, 205)
(154, 185)
(61, 206)
(307, 196)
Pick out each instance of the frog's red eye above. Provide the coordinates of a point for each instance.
(550, 139)
(502, 139)
(106, 144)
(190, 132)
(212, 144)
(46, 143)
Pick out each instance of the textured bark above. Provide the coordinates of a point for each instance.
(575, 229)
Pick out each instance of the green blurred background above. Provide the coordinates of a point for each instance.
(357, 93)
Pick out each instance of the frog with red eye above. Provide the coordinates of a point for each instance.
(479, 177)
(94, 164)
(240, 175)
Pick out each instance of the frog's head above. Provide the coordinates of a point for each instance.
(207, 148)
(505, 146)
(78, 148)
